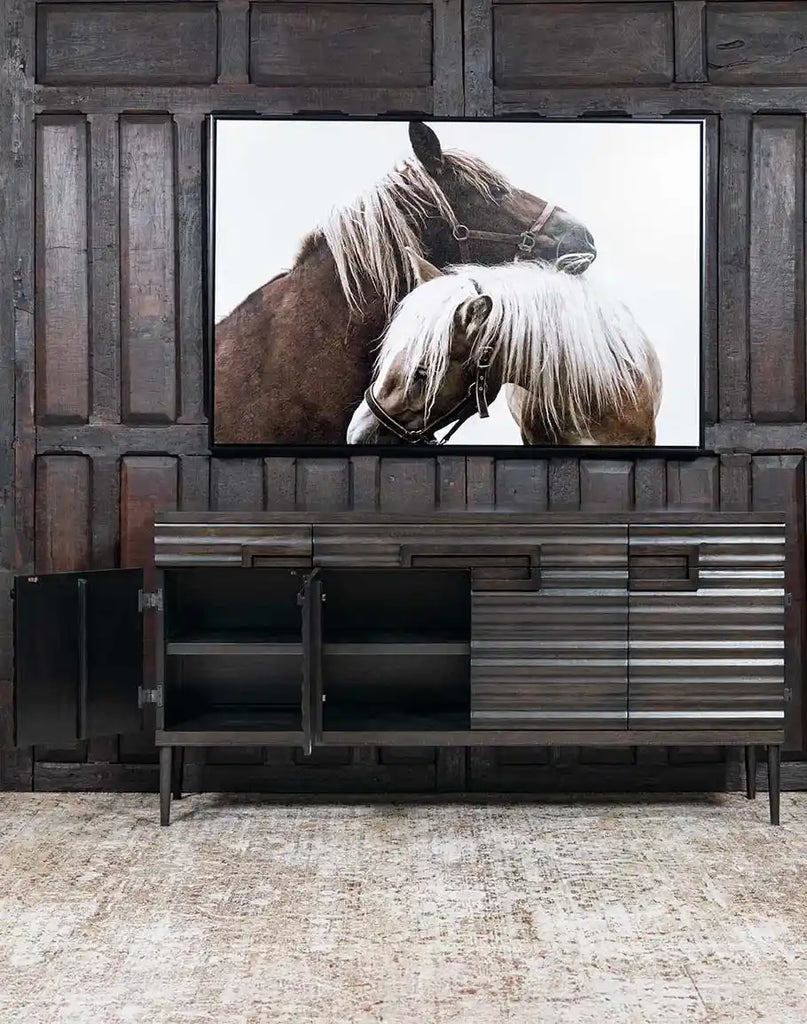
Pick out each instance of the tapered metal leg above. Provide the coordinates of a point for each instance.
(165, 785)
(773, 781)
(750, 771)
(177, 766)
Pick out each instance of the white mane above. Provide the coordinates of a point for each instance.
(369, 236)
(561, 338)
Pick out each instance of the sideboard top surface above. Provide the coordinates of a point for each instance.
(480, 517)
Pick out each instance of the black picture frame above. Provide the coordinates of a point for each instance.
(707, 291)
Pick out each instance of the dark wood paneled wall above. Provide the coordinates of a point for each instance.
(101, 344)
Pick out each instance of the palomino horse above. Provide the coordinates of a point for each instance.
(583, 371)
(292, 361)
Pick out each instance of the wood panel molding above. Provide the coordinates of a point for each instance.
(126, 44)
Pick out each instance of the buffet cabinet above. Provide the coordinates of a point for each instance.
(473, 628)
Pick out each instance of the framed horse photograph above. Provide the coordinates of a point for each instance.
(512, 285)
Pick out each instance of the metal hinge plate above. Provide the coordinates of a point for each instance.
(788, 694)
(788, 600)
(146, 599)
(145, 696)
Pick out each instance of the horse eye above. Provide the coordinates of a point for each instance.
(420, 373)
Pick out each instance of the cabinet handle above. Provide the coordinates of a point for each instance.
(663, 567)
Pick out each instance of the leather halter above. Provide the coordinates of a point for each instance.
(525, 241)
(474, 401)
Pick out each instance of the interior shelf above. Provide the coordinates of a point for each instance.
(241, 718)
(396, 644)
(387, 719)
(236, 642)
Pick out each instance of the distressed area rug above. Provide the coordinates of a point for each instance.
(248, 911)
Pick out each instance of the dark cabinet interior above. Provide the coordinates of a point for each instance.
(233, 657)
(395, 650)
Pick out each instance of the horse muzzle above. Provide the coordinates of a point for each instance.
(364, 428)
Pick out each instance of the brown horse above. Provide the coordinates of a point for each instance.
(581, 369)
(292, 361)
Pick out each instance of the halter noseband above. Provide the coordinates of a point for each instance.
(525, 241)
(474, 401)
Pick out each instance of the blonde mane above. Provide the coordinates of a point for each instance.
(369, 236)
(573, 348)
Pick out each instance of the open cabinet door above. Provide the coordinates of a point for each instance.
(78, 655)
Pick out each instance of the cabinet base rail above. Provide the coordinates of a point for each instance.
(172, 767)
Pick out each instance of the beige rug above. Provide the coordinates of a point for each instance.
(247, 911)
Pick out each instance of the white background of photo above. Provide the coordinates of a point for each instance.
(635, 186)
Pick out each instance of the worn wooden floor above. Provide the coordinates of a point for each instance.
(246, 911)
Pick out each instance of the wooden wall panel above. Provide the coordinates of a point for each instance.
(190, 277)
(606, 486)
(732, 339)
(776, 263)
(280, 482)
(63, 513)
(148, 301)
(693, 484)
(105, 267)
(126, 44)
(690, 28)
(555, 44)
(407, 485)
(323, 484)
(62, 370)
(522, 484)
(236, 484)
(757, 43)
(233, 42)
(148, 484)
(341, 44)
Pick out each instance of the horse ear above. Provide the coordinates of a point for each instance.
(426, 147)
(472, 314)
(424, 271)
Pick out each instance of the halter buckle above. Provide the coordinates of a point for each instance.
(461, 232)
(485, 359)
(526, 242)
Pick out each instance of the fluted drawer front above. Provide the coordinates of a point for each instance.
(551, 659)
(710, 654)
(595, 552)
(219, 542)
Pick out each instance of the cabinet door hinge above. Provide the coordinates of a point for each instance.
(146, 599)
(788, 694)
(145, 696)
(788, 600)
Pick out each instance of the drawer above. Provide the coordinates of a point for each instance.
(496, 554)
(214, 542)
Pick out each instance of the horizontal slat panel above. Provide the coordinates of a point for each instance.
(712, 658)
(757, 43)
(581, 44)
(569, 553)
(341, 44)
(211, 543)
(126, 44)
(541, 661)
